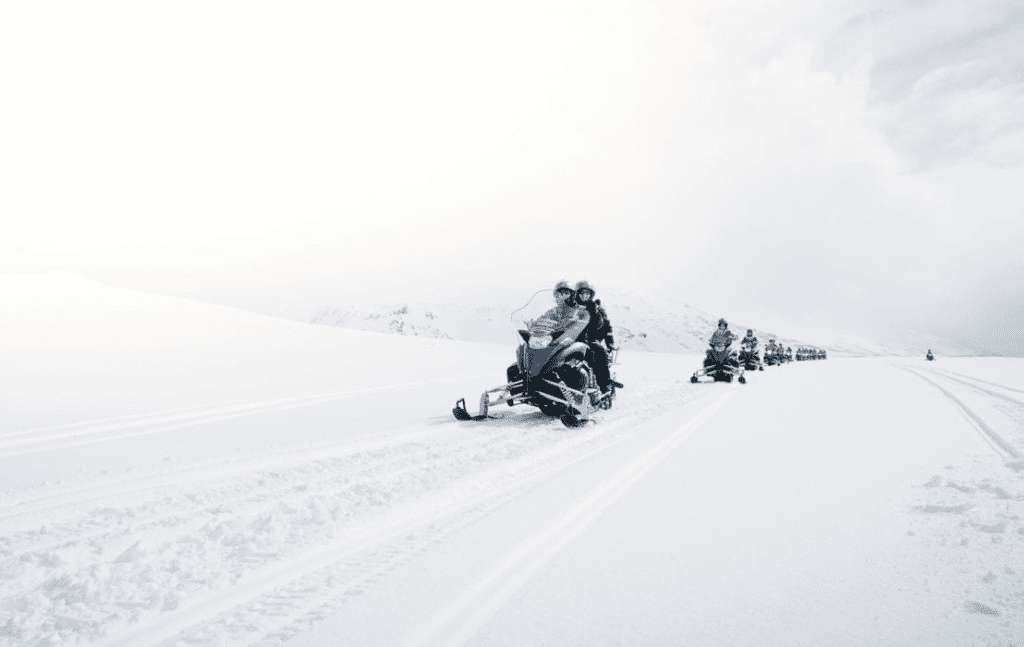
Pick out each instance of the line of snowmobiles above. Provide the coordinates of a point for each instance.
(809, 354)
(776, 354)
(553, 373)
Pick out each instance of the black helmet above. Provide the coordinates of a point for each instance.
(723, 321)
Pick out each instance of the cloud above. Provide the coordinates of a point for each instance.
(947, 84)
(841, 163)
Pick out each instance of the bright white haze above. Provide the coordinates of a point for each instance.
(852, 164)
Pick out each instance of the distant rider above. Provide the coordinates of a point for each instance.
(749, 346)
(597, 333)
(565, 317)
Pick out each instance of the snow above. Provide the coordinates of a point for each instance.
(179, 473)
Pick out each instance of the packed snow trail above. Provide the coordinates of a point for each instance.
(839, 501)
(147, 556)
(470, 611)
(805, 512)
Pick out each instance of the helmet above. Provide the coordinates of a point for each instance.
(723, 321)
(562, 285)
(750, 332)
(584, 285)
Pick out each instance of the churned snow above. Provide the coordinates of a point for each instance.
(178, 473)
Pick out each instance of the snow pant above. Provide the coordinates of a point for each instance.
(597, 357)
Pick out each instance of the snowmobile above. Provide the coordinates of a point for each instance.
(549, 375)
(929, 356)
(748, 357)
(721, 363)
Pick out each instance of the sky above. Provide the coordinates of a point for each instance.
(856, 165)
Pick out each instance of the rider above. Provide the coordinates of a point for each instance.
(598, 330)
(566, 317)
(749, 343)
(723, 335)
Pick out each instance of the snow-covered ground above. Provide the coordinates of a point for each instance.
(175, 473)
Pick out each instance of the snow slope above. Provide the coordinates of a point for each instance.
(204, 476)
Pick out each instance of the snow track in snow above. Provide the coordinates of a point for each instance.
(974, 379)
(65, 436)
(260, 546)
(991, 436)
(464, 616)
(974, 383)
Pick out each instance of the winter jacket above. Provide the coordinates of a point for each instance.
(599, 328)
(722, 337)
(571, 319)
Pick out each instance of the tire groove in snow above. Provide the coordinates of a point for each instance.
(25, 442)
(958, 378)
(469, 503)
(260, 501)
(464, 616)
(114, 488)
(996, 441)
(121, 578)
(976, 379)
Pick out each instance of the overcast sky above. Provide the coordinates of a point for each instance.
(854, 164)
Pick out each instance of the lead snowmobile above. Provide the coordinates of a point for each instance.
(721, 364)
(549, 375)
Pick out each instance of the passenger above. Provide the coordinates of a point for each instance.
(597, 333)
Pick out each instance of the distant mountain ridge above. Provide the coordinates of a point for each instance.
(637, 325)
(669, 327)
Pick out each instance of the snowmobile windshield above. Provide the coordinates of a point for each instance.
(524, 317)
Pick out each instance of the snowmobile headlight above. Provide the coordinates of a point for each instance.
(542, 341)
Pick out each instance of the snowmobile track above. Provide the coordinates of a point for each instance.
(74, 435)
(996, 441)
(366, 552)
(972, 382)
(462, 618)
(263, 545)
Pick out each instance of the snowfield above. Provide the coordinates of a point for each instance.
(177, 473)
